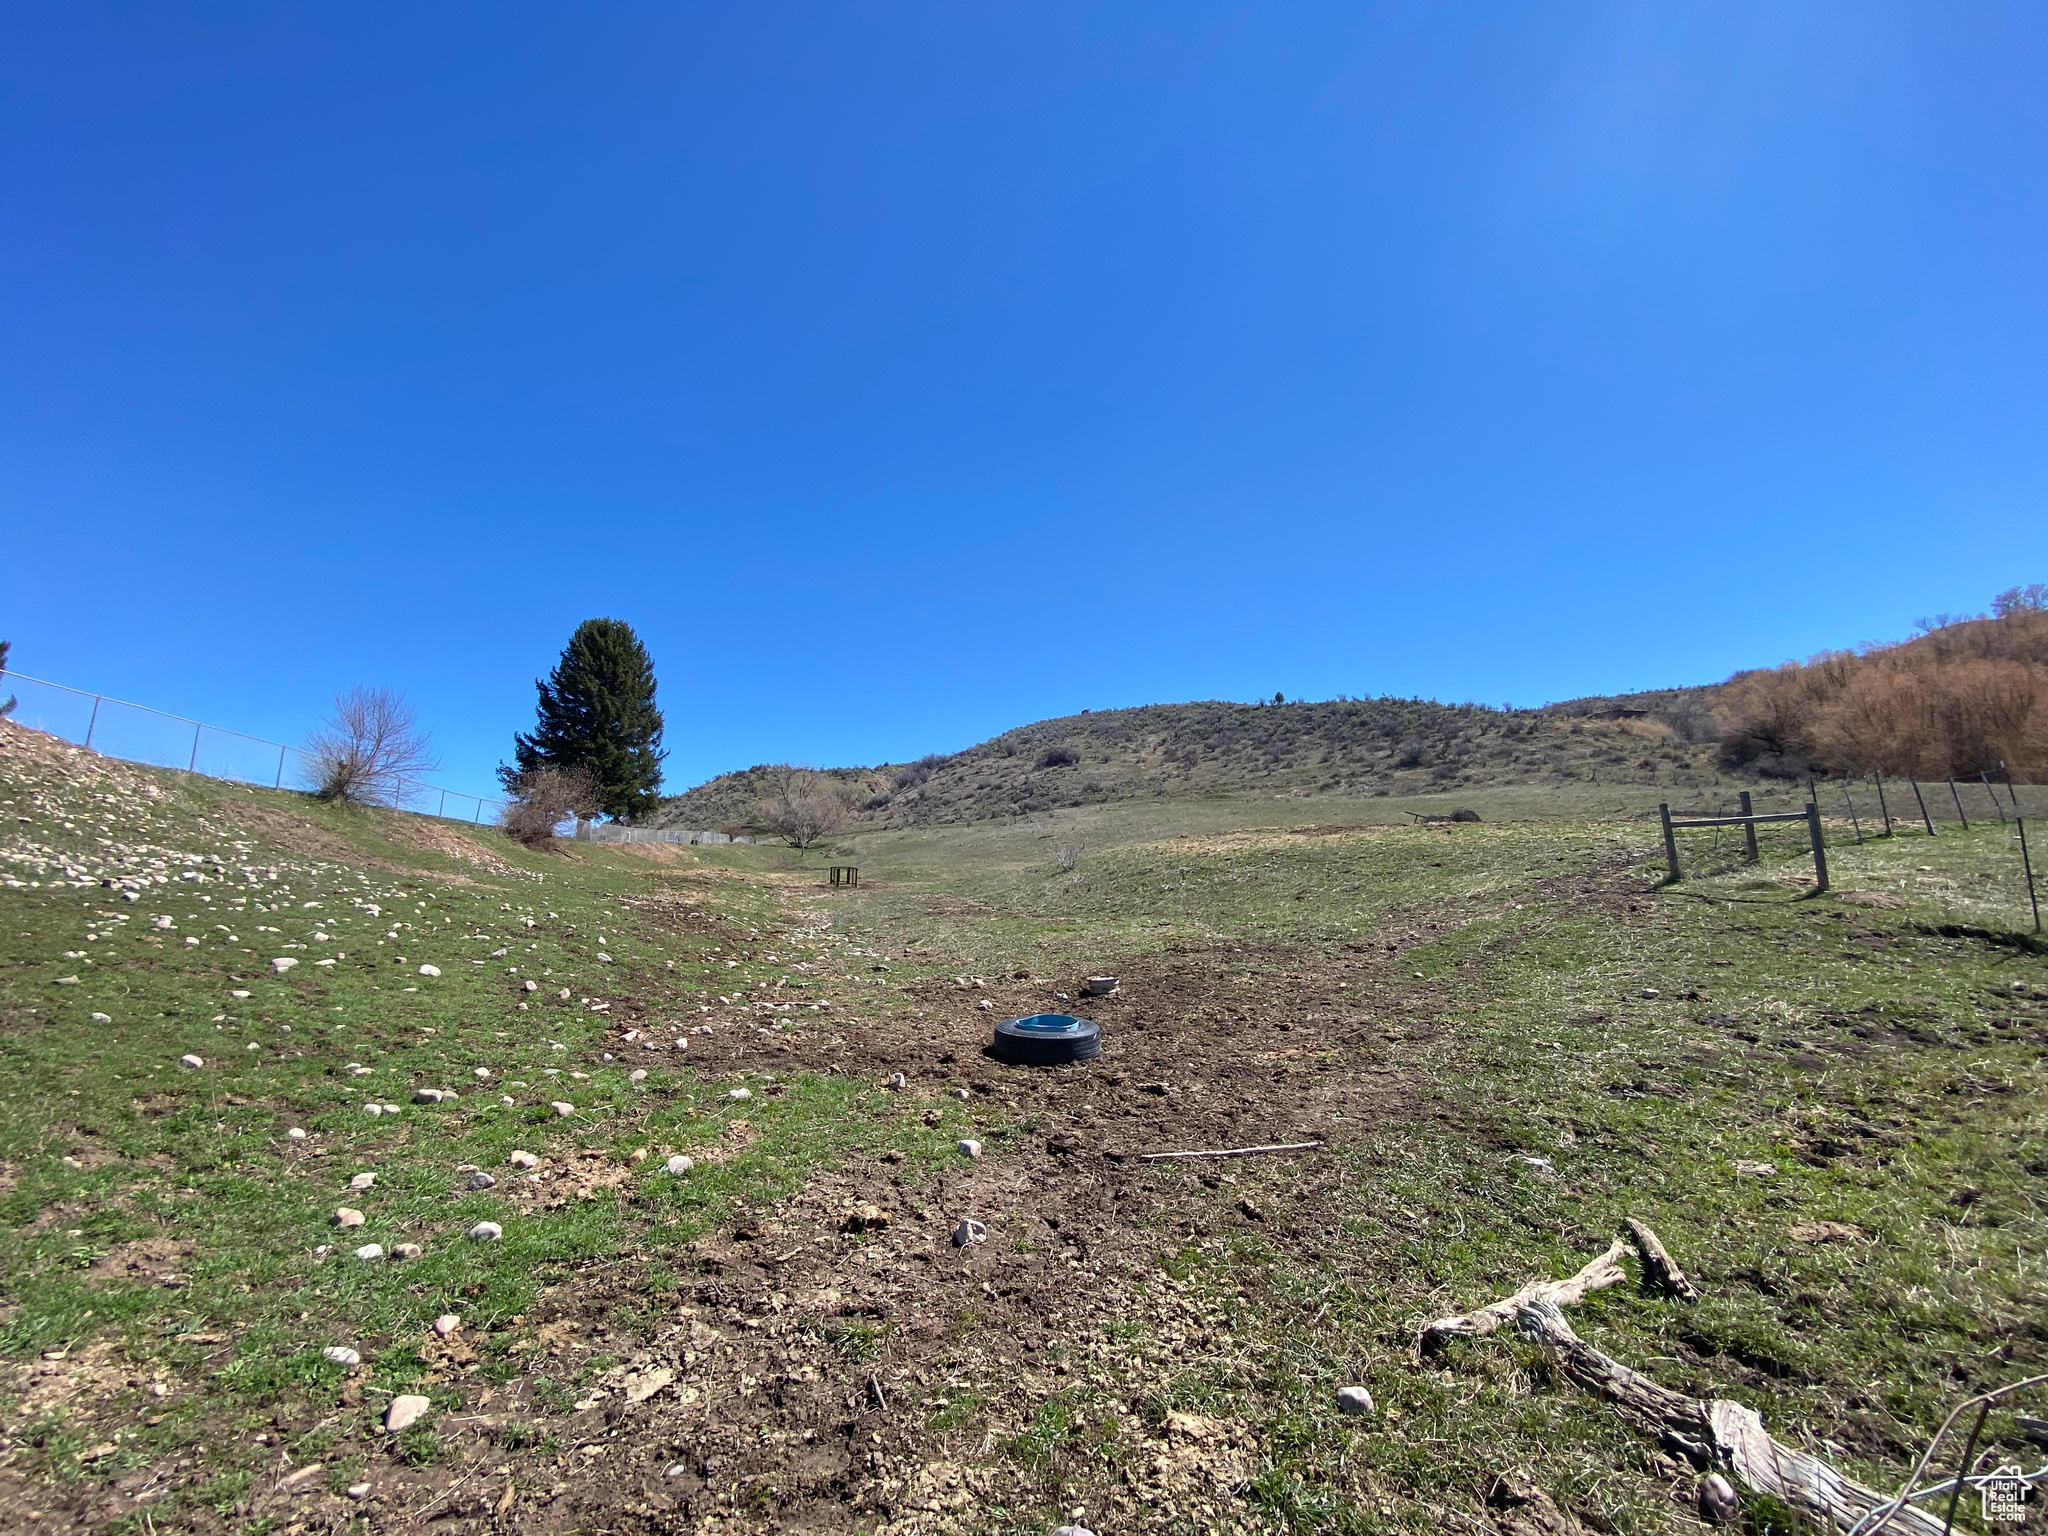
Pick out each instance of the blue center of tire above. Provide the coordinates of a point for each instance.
(1050, 1023)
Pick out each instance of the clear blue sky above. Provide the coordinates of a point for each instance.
(908, 372)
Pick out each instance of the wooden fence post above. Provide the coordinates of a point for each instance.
(1670, 844)
(1749, 832)
(1820, 857)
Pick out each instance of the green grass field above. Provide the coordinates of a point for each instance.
(1572, 1042)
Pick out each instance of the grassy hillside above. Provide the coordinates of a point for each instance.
(1505, 1037)
(1353, 748)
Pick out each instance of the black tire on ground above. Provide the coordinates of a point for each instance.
(1047, 1039)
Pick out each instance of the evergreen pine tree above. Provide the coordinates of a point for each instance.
(597, 713)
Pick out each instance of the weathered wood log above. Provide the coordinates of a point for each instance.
(1601, 1273)
(1659, 1264)
(1733, 1437)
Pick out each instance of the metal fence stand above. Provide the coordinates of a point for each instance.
(1883, 809)
(1956, 795)
(2027, 863)
(1820, 856)
(1923, 806)
(92, 724)
(846, 874)
(1852, 811)
(1994, 796)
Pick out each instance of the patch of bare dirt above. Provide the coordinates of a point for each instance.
(146, 1261)
(432, 837)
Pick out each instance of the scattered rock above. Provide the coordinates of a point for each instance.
(971, 1149)
(1755, 1170)
(447, 1323)
(405, 1411)
(1071, 1530)
(295, 1134)
(529, 986)
(643, 1386)
(348, 1216)
(362, 1181)
(741, 1093)
(341, 1354)
(522, 1160)
(486, 1232)
(968, 1233)
(679, 1164)
(562, 1108)
(359, 1491)
(282, 964)
(430, 970)
(427, 1096)
(370, 1251)
(1718, 1503)
(239, 995)
(1098, 986)
(1651, 992)
(102, 1018)
(637, 1075)
(898, 1080)
(481, 1180)
(481, 1072)
(66, 981)
(373, 1109)
(1354, 1400)
(190, 1061)
(405, 1251)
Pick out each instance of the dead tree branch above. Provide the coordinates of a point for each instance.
(1659, 1264)
(1598, 1275)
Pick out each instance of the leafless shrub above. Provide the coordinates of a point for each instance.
(1067, 855)
(800, 805)
(543, 798)
(910, 775)
(369, 749)
(1058, 757)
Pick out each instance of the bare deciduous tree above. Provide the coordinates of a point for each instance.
(543, 798)
(800, 805)
(369, 749)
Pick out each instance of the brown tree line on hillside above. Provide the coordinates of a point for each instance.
(1966, 697)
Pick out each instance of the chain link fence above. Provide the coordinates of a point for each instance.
(136, 733)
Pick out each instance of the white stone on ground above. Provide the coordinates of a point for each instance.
(340, 1354)
(563, 1109)
(680, 1165)
(295, 1134)
(238, 995)
(486, 1232)
(522, 1160)
(1072, 1530)
(373, 1109)
(1354, 1400)
(282, 964)
(447, 1323)
(481, 1072)
(430, 970)
(370, 1251)
(102, 1018)
(348, 1216)
(406, 1250)
(741, 1093)
(637, 1075)
(898, 1080)
(362, 1181)
(190, 1061)
(405, 1411)
(968, 1233)
(970, 1148)
(481, 1181)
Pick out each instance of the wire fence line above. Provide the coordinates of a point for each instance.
(138, 734)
